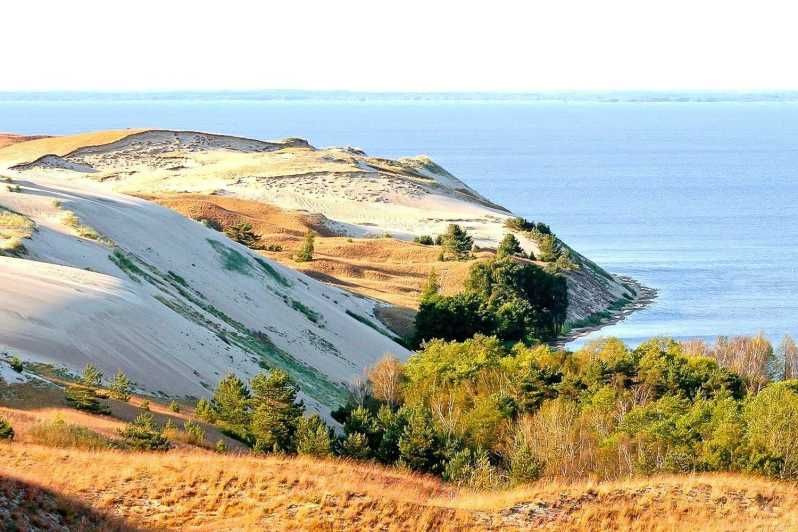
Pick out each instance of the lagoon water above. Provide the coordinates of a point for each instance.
(698, 199)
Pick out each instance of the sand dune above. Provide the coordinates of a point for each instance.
(358, 195)
(126, 284)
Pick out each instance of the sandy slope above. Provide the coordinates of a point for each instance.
(359, 195)
(173, 304)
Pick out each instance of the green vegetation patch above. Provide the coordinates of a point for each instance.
(231, 259)
(272, 272)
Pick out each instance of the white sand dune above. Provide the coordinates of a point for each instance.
(169, 302)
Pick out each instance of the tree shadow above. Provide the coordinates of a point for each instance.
(26, 506)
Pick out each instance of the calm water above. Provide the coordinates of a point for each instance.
(699, 200)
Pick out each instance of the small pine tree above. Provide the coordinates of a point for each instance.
(143, 434)
(145, 405)
(305, 253)
(457, 242)
(275, 412)
(121, 387)
(432, 287)
(313, 437)
(83, 398)
(221, 446)
(92, 377)
(174, 407)
(243, 234)
(419, 448)
(231, 402)
(509, 247)
(204, 411)
(356, 446)
(6, 431)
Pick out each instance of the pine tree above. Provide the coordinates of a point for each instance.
(305, 253)
(231, 402)
(204, 411)
(121, 387)
(419, 448)
(457, 242)
(243, 234)
(313, 437)
(356, 445)
(92, 377)
(6, 432)
(275, 413)
(432, 287)
(144, 435)
(509, 247)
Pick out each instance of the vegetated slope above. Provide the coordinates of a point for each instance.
(357, 195)
(196, 490)
(128, 285)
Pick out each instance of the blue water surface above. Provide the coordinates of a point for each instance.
(696, 199)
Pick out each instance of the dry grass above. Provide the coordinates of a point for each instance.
(199, 490)
(14, 229)
(28, 149)
(193, 488)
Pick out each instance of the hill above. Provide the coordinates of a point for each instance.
(351, 194)
(93, 276)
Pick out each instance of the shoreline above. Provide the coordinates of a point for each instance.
(644, 298)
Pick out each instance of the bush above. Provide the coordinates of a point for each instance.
(204, 411)
(313, 437)
(457, 243)
(509, 247)
(243, 234)
(273, 247)
(92, 377)
(356, 446)
(6, 431)
(16, 364)
(305, 253)
(195, 434)
(221, 446)
(174, 407)
(144, 435)
(121, 387)
(83, 398)
(425, 240)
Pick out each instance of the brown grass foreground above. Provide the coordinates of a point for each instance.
(205, 491)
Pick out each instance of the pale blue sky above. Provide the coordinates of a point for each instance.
(405, 45)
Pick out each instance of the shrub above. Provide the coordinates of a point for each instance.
(771, 438)
(313, 437)
(221, 446)
(16, 364)
(211, 224)
(231, 402)
(457, 242)
(83, 398)
(275, 413)
(419, 447)
(174, 407)
(305, 253)
(121, 387)
(145, 405)
(243, 234)
(143, 434)
(425, 240)
(356, 446)
(273, 247)
(6, 431)
(92, 377)
(204, 411)
(195, 434)
(509, 246)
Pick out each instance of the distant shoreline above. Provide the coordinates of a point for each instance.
(644, 297)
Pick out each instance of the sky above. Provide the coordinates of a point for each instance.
(403, 45)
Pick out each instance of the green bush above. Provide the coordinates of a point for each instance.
(83, 398)
(6, 431)
(142, 434)
(121, 387)
(16, 364)
(92, 377)
(243, 234)
(457, 243)
(425, 240)
(305, 253)
(313, 437)
(174, 407)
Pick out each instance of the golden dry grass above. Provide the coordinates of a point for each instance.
(203, 491)
(7, 139)
(28, 150)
